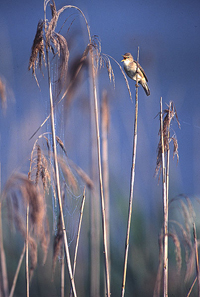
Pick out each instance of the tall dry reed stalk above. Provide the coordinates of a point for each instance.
(3, 269)
(95, 221)
(97, 126)
(166, 117)
(78, 236)
(50, 31)
(132, 181)
(43, 40)
(165, 204)
(105, 119)
(27, 252)
(196, 257)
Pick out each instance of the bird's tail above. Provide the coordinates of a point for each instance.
(146, 88)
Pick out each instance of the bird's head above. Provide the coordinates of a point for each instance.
(127, 58)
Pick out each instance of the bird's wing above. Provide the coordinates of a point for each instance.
(141, 71)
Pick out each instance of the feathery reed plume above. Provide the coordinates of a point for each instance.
(37, 51)
(102, 59)
(40, 165)
(71, 85)
(162, 162)
(177, 246)
(180, 232)
(20, 191)
(52, 24)
(52, 41)
(70, 178)
(169, 114)
(67, 171)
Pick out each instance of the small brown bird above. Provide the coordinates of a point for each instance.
(130, 67)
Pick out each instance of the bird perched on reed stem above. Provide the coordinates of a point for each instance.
(132, 67)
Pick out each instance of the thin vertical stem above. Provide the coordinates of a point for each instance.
(17, 271)
(165, 205)
(192, 286)
(78, 236)
(58, 179)
(63, 274)
(104, 125)
(94, 205)
(3, 258)
(196, 257)
(131, 186)
(105, 244)
(27, 242)
(167, 172)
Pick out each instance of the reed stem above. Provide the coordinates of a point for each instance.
(58, 178)
(131, 187)
(165, 185)
(104, 229)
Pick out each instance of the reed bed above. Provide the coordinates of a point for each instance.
(46, 206)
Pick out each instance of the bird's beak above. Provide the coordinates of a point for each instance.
(123, 59)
